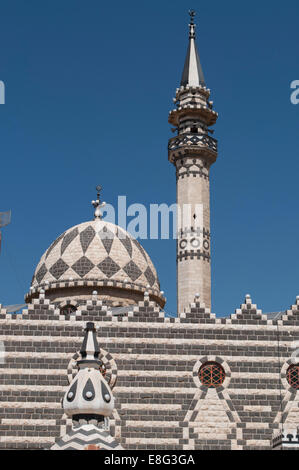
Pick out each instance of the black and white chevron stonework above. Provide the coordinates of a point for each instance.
(96, 251)
(83, 436)
(156, 357)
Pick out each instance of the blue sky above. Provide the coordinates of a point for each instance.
(88, 89)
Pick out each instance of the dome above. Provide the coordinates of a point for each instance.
(96, 255)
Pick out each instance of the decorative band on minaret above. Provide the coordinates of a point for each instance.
(193, 151)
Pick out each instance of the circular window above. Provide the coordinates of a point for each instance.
(293, 376)
(211, 375)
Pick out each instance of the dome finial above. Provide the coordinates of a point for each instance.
(98, 204)
(192, 25)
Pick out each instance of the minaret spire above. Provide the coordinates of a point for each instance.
(192, 73)
(192, 152)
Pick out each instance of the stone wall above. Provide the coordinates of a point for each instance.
(152, 362)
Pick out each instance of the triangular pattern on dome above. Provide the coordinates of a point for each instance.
(58, 269)
(143, 281)
(94, 273)
(107, 238)
(149, 276)
(132, 270)
(41, 273)
(69, 275)
(68, 238)
(140, 248)
(108, 267)
(54, 244)
(119, 253)
(126, 243)
(293, 313)
(82, 266)
(95, 252)
(86, 237)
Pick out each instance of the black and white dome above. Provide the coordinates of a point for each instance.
(95, 253)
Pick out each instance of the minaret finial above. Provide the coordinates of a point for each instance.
(192, 25)
(98, 204)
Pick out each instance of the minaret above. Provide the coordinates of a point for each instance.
(193, 151)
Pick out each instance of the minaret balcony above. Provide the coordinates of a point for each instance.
(203, 112)
(192, 143)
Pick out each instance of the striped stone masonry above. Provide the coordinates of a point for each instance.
(153, 363)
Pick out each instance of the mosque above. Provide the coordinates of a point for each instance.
(94, 362)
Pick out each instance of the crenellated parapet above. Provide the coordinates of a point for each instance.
(248, 313)
(147, 311)
(191, 102)
(291, 316)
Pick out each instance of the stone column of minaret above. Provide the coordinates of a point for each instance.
(193, 151)
(88, 400)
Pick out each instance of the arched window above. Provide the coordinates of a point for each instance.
(293, 376)
(211, 375)
(68, 309)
